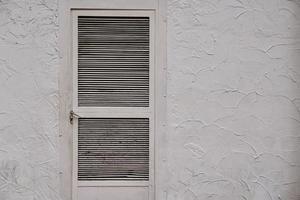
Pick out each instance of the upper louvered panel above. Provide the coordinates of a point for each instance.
(113, 61)
(113, 149)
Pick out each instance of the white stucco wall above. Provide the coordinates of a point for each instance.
(233, 100)
(28, 100)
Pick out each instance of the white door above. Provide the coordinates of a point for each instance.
(113, 99)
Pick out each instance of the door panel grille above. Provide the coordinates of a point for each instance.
(113, 149)
(113, 61)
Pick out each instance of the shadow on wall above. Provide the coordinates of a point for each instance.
(234, 100)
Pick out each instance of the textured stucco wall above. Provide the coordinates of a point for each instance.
(233, 100)
(28, 100)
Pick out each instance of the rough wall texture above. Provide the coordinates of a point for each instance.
(28, 100)
(234, 100)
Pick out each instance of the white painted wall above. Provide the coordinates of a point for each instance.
(233, 100)
(28, 100)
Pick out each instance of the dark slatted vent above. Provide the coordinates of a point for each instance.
(113, 61)
(113, 149)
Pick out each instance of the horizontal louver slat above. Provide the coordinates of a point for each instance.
(113, 149)
(113, 61)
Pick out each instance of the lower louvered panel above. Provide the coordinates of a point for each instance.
(113, 149)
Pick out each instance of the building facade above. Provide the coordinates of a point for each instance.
(231, 115)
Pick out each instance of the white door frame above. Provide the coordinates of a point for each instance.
(158, 7)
